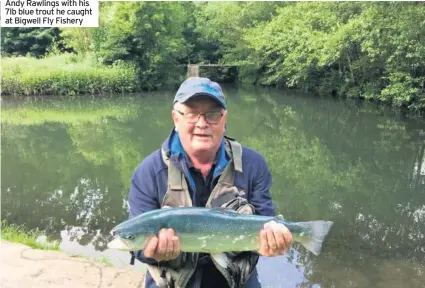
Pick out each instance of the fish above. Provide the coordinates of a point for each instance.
(212, 230)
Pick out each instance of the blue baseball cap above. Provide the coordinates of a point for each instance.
(196, 86)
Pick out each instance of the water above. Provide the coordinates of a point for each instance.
(67, 164)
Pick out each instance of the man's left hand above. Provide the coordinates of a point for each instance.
(275, 239)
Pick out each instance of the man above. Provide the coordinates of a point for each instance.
(199, 166)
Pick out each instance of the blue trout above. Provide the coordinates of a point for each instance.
(212, 230)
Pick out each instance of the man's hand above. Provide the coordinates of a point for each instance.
(165, 247)
(275, 239)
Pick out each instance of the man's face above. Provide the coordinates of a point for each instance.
(200, 136)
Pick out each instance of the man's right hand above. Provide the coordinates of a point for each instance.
(165, 247)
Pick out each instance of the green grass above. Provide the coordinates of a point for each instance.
(19, 234)
(64, 74)
(104, 261)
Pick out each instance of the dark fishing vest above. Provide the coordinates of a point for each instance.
(235, 267)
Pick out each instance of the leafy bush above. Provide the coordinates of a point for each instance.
(65, 74)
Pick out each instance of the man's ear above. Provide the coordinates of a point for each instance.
(174, 117)
(225, 115)
(225, 121)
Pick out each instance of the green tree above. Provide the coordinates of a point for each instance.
(78, 39)
(21, 41)
(146, 34)
(221, 26)
(360, 50)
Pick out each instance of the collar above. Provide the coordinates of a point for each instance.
(190, 164)
(175, 149)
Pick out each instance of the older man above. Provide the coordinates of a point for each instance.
(199, 166)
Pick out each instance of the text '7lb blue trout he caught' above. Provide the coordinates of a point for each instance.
(212, 230)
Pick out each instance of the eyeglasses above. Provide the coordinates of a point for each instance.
(212, 117)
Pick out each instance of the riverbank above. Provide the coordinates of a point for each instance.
(64, 74)
(71, 76)
(32, 238)
(23, 266)
(369, 51)
(36, 240)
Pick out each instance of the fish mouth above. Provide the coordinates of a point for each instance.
(118, 244)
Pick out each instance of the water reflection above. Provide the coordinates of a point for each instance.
(68, 171)
(282, 271)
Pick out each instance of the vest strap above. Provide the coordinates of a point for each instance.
(175, 181)
(237, 154)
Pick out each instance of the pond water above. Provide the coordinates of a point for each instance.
(67, 164)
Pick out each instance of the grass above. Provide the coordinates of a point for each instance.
(64, 74)
(31, 238)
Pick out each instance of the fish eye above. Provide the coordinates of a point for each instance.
(129, 237)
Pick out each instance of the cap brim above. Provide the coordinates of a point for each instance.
(188, 97)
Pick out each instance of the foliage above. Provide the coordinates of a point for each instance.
(64, 74)
(23, 41)
(146, 34)
(79, 40)
(361, 50)
(221, 26)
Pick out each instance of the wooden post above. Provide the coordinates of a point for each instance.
(192, 70)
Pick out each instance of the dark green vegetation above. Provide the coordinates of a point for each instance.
(371, 51)
(33, 41)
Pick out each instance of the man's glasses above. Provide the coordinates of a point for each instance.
(212, 117)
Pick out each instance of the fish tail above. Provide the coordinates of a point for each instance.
(314, 233)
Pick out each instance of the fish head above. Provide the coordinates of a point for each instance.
(127, 241)
(132, 234)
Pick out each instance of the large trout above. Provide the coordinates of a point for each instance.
(212, 230)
